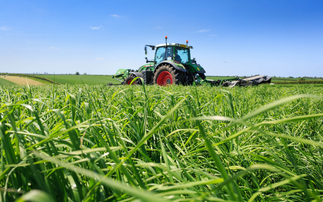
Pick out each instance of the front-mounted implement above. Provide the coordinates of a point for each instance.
(172, 64)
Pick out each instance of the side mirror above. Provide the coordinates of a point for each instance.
(193, 60)
(146, 58)
(146, 50)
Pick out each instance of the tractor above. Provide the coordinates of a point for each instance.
(172, 64)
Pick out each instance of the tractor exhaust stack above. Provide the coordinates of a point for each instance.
(165, 47)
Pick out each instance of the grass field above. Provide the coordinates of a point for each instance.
(105, 79)
(305, 80)
(81, 79)
(296, 79)
(179, 143)
(4, 82)
(279, 80)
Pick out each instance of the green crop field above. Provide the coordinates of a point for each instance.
(107, 79)
(291, 80)
(152, 143)
(279, 80)
(80, 79)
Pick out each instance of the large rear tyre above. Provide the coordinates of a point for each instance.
(167, 75)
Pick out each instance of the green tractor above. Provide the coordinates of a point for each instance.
(172, 64)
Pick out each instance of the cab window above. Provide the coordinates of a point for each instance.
(160, 54)
(182, 55)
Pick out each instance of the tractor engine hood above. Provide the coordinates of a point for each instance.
(198, 68)
(195, 68)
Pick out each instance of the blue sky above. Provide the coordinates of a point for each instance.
(230, 37)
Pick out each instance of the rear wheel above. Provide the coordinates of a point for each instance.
(167, 75)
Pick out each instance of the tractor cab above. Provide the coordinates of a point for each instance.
(177, 53)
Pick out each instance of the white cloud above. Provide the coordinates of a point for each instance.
(100, 59)
(4, 28)
(96, 27)
(115, 16)
(203, 30)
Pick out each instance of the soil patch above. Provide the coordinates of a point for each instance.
(22, 80)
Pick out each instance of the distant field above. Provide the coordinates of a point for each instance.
(279, 80)
(98, 79)
(80, 79)
(292, 79)
(23, 80)
(4, 82)
(105, 79)
(295, 79)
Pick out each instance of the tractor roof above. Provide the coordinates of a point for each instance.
(175, 44)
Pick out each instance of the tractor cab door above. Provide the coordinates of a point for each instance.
(161, 56)
(182, 55)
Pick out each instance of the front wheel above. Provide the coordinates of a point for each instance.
(202, 76)
(129, 80)
(167, 75)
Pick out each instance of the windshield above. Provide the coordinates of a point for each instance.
(182, 55)
(160, 54)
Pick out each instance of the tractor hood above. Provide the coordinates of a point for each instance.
(198, 68)
(194, 68)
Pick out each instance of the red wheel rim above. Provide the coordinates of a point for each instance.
(129, 81)
(164, 78)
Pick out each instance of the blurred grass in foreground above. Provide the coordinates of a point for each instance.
(99, 143)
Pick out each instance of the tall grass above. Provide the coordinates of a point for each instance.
(179, 143)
